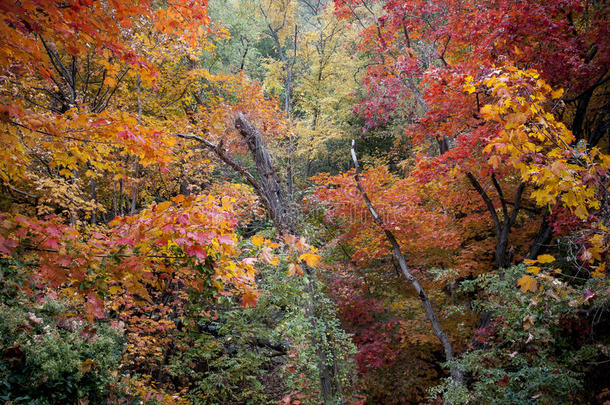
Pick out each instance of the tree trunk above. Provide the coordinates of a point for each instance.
(279, 203)
(115, 205)
(269, 183)
(93, 190)
(456, 374)
(121, 209)
(502, 228)
(543, 238)
(134, 193)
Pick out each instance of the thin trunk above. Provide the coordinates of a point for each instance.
(543, 238)
(184, 189)
(290, 170)
(327, 373)
(581, 113)
(443, 144)
(502, 255)
(115, 208)
(134, 193)
(121, 208)
(73, 213)
(243, 58)
(93, 190)
(601, 128)
(456, 374)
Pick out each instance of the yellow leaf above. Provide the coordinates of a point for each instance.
(581, 212)
(557, 167)
(530, 261)
(598, 274)
(545, 259)
(600, 271)
(533, 269)
(163, 206)
(87, 365)
(114, 289)
(311, 259)
(110, 81)
(488, 112)
(557, 93)
(597, 240)
(267, 256)
(527, 283)
(468, 87)
(65, 173)
(257, 240)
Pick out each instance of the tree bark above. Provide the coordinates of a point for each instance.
(270, 185)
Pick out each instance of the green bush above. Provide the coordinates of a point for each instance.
(47, 360)
(48, 357)
(536, 350)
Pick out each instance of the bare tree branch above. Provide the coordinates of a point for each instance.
(222, 155)
(490, 207)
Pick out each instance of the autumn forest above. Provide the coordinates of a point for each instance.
(301, 202)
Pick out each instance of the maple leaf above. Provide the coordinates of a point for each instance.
(94, 307)
(267, 256)
(114, 289)
(311, 259)
(302, 245)
(545, 258)
(533, 269)
(290, 239)
(196, 251)
(293, 269)
(258, 240)
(527, 283)
(226, 239)
(504, 381)
(249, 299)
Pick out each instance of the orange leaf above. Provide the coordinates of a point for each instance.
(293, 269)
(311, 259)
(257, 240)
(527, 283)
